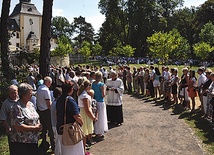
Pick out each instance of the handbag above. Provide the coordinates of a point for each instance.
(72, 132)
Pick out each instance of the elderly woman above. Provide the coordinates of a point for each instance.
(25, 123)
(72, 115)
(101, 125)
(115, 91)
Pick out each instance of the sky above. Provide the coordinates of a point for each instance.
(85, 8)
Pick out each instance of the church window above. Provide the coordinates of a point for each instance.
(29, 9)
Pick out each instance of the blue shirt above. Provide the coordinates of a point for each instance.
(71, 110)
(98, 92)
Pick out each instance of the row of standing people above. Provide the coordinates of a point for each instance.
(150, 81)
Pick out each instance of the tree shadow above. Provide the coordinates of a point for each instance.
(205, 127)
(2, 130)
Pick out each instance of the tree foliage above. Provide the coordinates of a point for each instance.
(64, 47)
(85, 49)
(203, 50)
(83, 30)
(60, 26)
(207, 33)
(96, 49)
(163, 45)
(121, 50)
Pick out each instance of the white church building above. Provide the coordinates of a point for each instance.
(25, 26)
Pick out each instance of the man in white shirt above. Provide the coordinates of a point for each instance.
(43, 107)
(201, 80)
(166, 88)
(141, 75)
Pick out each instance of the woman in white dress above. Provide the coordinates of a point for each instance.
(101, 125)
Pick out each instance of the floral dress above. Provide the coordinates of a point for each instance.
(22, 114)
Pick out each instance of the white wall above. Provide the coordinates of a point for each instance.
(34, 28)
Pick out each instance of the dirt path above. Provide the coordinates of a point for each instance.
(148, 129)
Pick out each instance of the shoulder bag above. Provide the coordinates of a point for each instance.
(72, 132)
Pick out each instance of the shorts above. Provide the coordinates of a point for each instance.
(156, 83)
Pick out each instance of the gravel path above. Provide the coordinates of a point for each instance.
(148, 129)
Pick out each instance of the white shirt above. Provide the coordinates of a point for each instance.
(42, 95)
(67, 77)
(81, 97)
(167, 76)
(201, 80)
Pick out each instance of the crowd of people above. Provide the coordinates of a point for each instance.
(166, 84)
(36, 107)
(93, 98)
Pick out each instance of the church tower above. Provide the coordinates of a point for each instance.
(29, 20)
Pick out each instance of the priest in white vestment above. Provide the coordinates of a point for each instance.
(115, 90)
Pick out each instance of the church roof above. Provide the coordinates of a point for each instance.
(12, 25)
(25, 8)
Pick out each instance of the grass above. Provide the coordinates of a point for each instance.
(4, 150)
(202, 129)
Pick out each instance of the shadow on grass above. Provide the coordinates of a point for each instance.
(2, 130)
(204, 128)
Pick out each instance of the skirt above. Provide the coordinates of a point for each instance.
(57, 150)
(87, 127)
(77, 149)
(174, 89)
(115, 114)
(205, 104)
(101, 125)
(183, 93)
(192, 92)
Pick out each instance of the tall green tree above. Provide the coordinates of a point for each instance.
(83, 30)
(142, 22)
(96, 49)
(64, 47)
(203, 50)
(166, 8)
(183, 20)
(60, 26)
(85, 49)
(44, 59)
(113, 29)
(163, 45)
(4, 39)
(207, 33)
(204, 14)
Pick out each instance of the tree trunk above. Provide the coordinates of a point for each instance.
(44, 60)
(4, 40)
